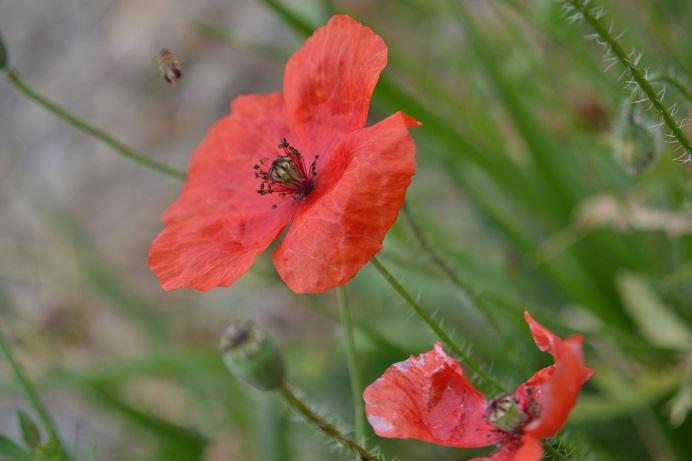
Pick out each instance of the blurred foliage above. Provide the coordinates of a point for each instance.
(525, 131)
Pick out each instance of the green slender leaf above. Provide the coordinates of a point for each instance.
(180, 443)
(656, 322)
(292, 19)
(648, 390)
(10, 451)
(92, 454)
(3, 54)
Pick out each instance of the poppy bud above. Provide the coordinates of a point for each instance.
(3, 54)
(637, 142)
(251, 355)
(504, 412)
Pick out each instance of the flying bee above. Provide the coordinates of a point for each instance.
(169, 66)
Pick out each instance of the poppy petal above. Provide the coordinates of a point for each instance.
(356, 200)
(221, 176)
(219, 224)
(212, 251)
(530, 450)
(427, 397)
(329, 81)
(506, 452)
(555, 389)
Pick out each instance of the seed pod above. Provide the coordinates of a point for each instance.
(637, 142)
(251, 355)
(169, 66)
(504, 412)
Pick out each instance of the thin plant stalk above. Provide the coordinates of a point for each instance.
(464, 287)
(352, 359)
(308, 413)
(436, 327)
(32, 396)
(634, 70)
(91, 130)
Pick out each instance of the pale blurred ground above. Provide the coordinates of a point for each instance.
(97, 58)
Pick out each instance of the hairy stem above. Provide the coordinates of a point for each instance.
(301, 407)
(352, 359)
(91, 130)
(32, 396)
(634, 70)
(436, 327)
(464, 287)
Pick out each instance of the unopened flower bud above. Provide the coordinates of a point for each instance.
(504, 412)
(251, 355)
(637, 140)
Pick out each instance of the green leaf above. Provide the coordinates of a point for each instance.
(176, 442)
(3, 54)
(30, 433)
(92, 454)
(658, 324)
(10, 451)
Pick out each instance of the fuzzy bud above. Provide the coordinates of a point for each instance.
(251, 355)
(637, 141)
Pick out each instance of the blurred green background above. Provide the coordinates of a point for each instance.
(540, 184)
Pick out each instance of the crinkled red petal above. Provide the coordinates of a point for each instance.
(555, 389)
(506, 452)
(529, 450)
(221, 177)
(357, 198)
(328, 84)
(219, 224)
(212, 251)
(427, 397)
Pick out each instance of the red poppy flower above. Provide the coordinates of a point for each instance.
(303, 157)
(428, 398)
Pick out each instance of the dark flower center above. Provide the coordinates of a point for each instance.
(506, 414)
(286, 175)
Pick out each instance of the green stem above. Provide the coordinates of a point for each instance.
(352, 359)
(435, 326)
(301, 407)
(32, 396)
(635, 71)
(91, 130)
(464, 287)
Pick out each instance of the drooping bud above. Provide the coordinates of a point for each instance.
(637, 140)
(504, 412)
(251, 355)
(3, 55)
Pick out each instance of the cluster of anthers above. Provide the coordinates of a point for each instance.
(287, 174)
